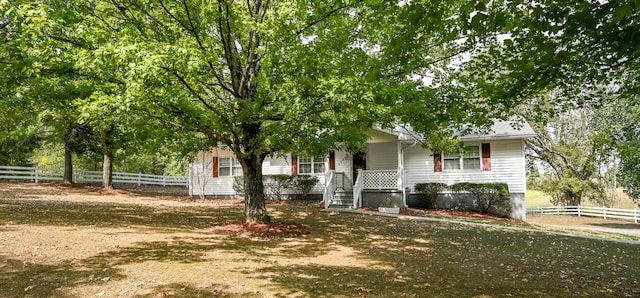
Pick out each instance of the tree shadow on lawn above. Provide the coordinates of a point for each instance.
(406, 257)
(21, 279)
(185, 290)
(25, 279)
(63, 213)
(344, 255)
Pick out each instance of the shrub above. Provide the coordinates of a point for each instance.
(238, 185)
(304, 184)
(428, 192)
(275, 184)
(488, 196)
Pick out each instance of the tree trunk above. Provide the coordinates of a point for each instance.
(68, 165)
(68, 156)
(107, 165)
(255, 210)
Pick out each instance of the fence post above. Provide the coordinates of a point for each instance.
(139, 178)
(604, 212)
(164, 180)
(558, 209)
(36, 174)
(579, 210)
(635, 215)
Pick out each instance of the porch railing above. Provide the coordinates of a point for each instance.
(357, 190)
(329, 189)
(379, 179)
(342, 181)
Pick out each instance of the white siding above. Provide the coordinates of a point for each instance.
(507, 165)
(277, 165)
(344, 161)
(382, 156)
(202, 181)
(201, 178)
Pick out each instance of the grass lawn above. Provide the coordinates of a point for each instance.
(68, 242)
(536, 198)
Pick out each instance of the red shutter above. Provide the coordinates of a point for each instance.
(294, 165)
(215, 167)
(486, 157)
(437, 162)
(332, 161)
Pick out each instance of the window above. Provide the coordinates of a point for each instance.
(310, 165)
(229, 166)
(468, 159)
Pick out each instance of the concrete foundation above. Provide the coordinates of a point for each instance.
(382, 198)
(466, 202)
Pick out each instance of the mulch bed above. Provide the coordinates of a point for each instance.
(449, 213)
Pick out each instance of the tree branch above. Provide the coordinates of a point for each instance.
(70, 41)
(188, 86)
(330, 13)
(174, 17)
(230, 52)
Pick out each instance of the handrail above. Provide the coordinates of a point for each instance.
(357, 190)
(329, 189)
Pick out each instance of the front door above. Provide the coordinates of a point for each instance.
(359, 163)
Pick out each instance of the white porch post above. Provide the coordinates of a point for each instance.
(401, 172)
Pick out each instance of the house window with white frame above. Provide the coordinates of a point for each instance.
(468, 159)
(311, 165)
(229, 166)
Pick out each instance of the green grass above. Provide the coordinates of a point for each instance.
(536, 198)
(344, 255)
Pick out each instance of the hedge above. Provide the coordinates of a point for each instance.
(428, 193)
(489, 197)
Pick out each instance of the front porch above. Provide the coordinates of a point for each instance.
(373, 177)
(372, 188)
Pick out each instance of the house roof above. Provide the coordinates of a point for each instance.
(500, 130)
(505, 130)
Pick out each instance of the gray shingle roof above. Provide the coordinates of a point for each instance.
(500, 130)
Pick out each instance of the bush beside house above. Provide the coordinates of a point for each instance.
(428, 193)
(489, 198)
(277, 187)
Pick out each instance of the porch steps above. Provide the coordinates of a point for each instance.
(343, 198)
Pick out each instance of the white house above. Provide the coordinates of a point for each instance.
(385, 174)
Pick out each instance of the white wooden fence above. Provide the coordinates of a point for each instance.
(37, 174)
(603, 212)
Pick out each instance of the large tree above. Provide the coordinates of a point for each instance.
(578, 51)
(551, 57)
(39, 84)
(575, 159)
(268, 77)
(618, 122)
